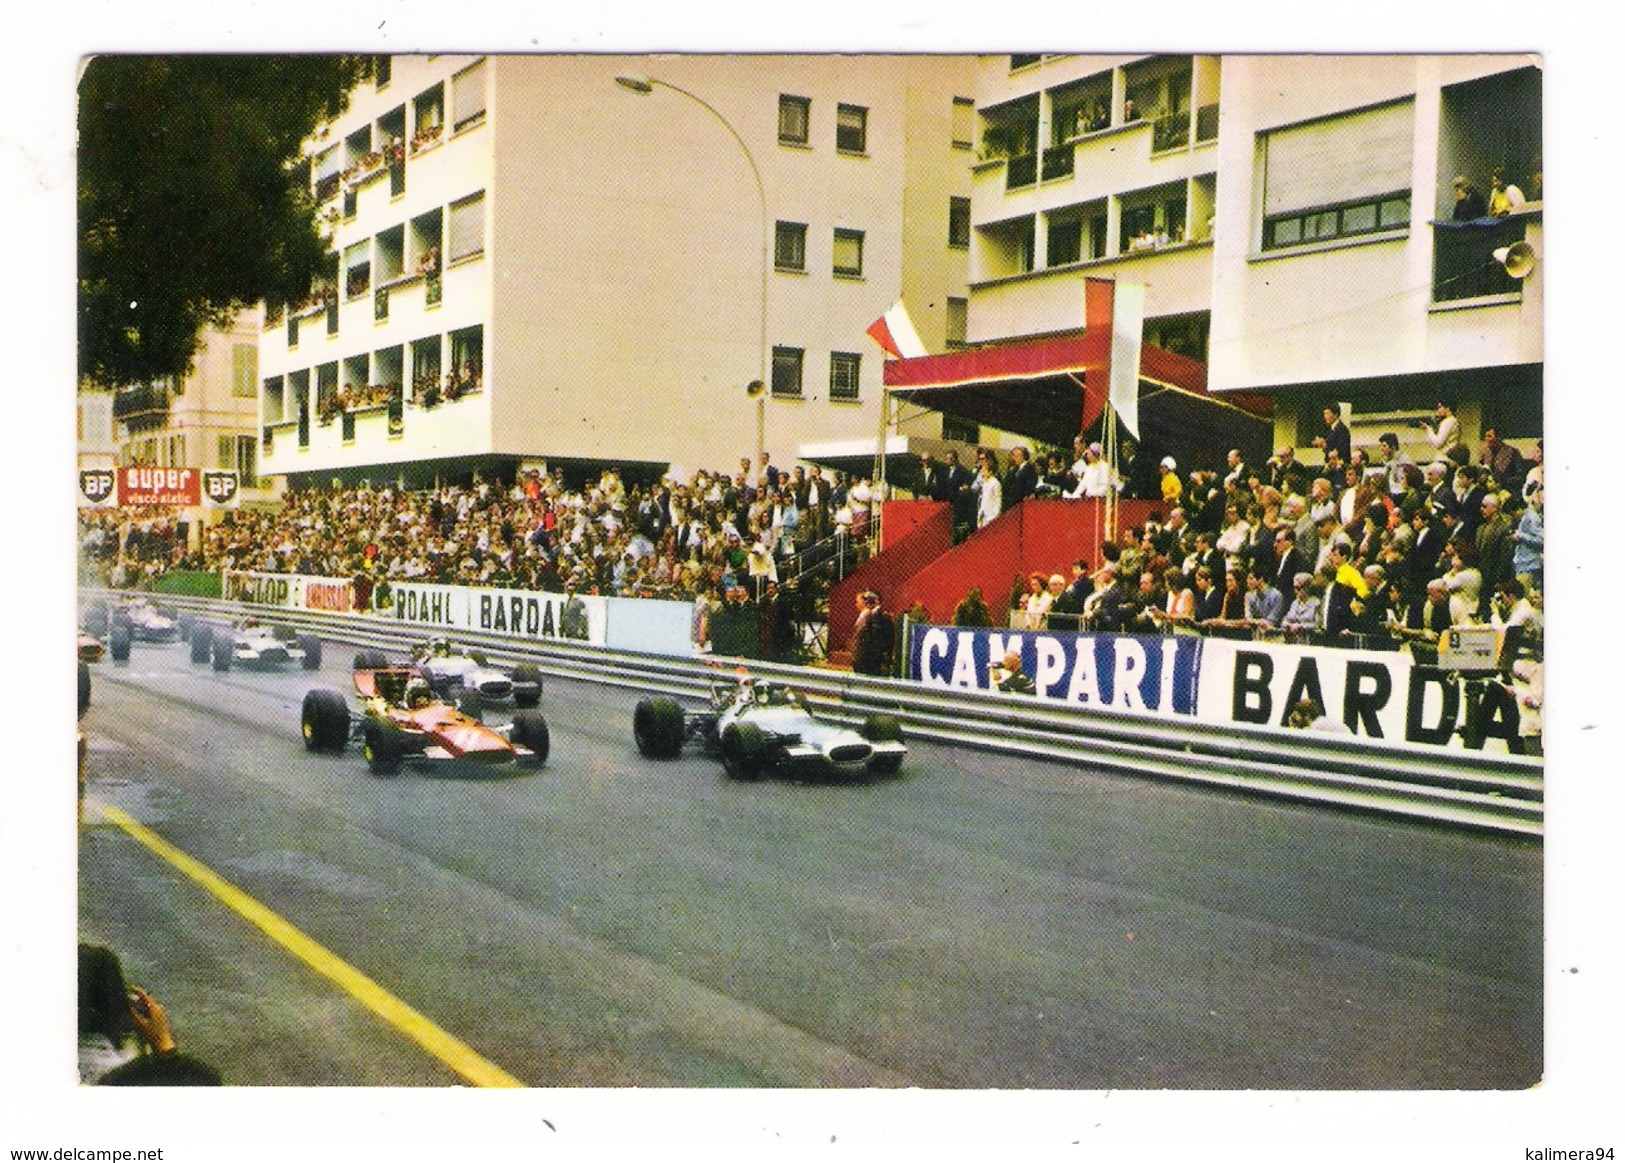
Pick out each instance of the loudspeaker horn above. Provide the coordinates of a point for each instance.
(755, 388)
(1518, 259)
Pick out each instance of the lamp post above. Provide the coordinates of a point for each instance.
(757, 389)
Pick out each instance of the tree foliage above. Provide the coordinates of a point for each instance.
(194, 201)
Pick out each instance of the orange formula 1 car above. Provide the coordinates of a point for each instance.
(399, 720)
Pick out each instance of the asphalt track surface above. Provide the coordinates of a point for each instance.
(977, 921)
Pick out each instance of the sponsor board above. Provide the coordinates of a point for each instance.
(289, 590)
(220, 489)
(1119, 671)
(529, 614)
(175, 487)
(1374, 694)
(98, 488)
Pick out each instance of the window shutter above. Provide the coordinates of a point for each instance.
(468, 95)
(1338, 159)
(467, 228)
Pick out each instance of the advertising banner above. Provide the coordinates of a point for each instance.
(289, 590)
(1374, 694)
(98, 488)
(1122, 671)
(528, 614)
(220, 489)
(173, 487)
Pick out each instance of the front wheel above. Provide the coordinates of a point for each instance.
(657, 728)
(312, 646)
(383, 748)
(324, 720)
(118, 641)
(202, 641)
(224, 643)
(744, 751)
(527, 685)
(530, 730)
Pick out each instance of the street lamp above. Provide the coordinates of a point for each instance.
(757, 389)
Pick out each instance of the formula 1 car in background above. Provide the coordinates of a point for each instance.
(253, 644)
(759, 727)
(398, 719)
(455, 671)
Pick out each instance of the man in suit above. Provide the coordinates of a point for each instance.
(1237, 471)
(1289, 561)
(1337, 434)
(961, 492)
(933, 479)
(1427, 546)
(1021, 480)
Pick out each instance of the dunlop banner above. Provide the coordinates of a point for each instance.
(289, 590)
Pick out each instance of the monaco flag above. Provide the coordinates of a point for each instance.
(896, 335)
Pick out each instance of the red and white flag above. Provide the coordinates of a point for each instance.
(896, 335)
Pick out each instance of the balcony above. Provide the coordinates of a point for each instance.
(1172, 132)
(327, 188)
(1464, 263)
(1058, 162)
(1021, 171)
(143, 407)
(1207, 123)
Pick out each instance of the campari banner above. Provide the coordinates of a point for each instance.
(1375, 694)
(531, 614)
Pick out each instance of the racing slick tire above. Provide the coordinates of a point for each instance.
(96, 619)
(324, 719)
(657, 728)
(224, 642)
(202, 641)
(527, 672)
(882, 729)
(383, 748)
(184, 624)
(371, 660)
(118, 640)
(468, 702)
(312, 646)
(744, 751)
(84, 688)
(530, 730)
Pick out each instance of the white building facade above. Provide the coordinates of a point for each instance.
(535, 265)
(1281, 212)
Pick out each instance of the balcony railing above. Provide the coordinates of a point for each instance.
(150, 402)
(1058, 162)
(1170, 132)
(1464, 262)
(1207, 122)
(380, 304)
(328, 187)
(397, 179)
(1020, 171)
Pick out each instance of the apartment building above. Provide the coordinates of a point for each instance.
(1290, 218)
(535, 264)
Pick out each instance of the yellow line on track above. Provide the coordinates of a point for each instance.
(454, 1053)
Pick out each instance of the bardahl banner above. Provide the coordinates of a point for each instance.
(291, 591)
(175, 487)
(529, 614)
(1122, 671)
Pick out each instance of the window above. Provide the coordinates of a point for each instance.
(226, 453)
(843, 375)
(955, 324)
(1338, 177)
(327, 172)
(468, 97)
(467, 228)
(848, 252)
(1020, 60)
(790, 246)
(964, 122)
(245, 370)
(357, 270)
(851, 128)
(787, 371)
(959, 429)
(248, 461)
(794, 119)
(468, 357)
(380, 71)
(1065, 243)
(958, 221)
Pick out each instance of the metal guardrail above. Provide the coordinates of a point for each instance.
(1475, 789)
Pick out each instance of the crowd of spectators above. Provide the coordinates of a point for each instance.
(1365, 548)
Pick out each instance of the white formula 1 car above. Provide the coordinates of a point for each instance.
(252, 644)
(455, 672)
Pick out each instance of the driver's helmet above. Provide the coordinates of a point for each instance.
(440, 646)
(418, 694)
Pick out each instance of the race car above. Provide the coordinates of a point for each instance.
(399, 720)
(760, 727)
(147, 622)
(454, 671)
(253, 644)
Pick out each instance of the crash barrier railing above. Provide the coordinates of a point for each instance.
(1474, 789)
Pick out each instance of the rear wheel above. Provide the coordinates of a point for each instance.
(744, 751)
(84, 688)
(530, 730)
(224, 641)
(524, 675)
(882, 729)
(371, 660)
(657, 728)
(118, 641)
(202, 641)
(382, 747)
(312, 646)
(469, 703)
(324, 720)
